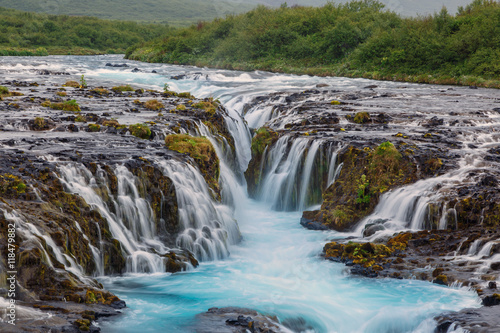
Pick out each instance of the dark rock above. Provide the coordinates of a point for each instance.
(116, 65)
(371, 86)
(154, 72)
(135, 70)
(178, 77)
(434, 121)
(491, 300)
(312, 225)
(118, 304)
(372, 228)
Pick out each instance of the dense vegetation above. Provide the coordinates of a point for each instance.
(171, 12)
(356, 39)
(64, 34)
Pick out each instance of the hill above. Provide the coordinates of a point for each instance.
(62, 34)
(187, 12)
(173, 12)
(354, 39)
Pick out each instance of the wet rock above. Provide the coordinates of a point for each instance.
(116, 65)
(312, 225)
(234, 319)
(135, 70)
(434, 121)
(178, 77)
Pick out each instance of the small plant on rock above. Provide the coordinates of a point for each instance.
(83, 82)
(363, 193)
(154, 104)
(140, 130)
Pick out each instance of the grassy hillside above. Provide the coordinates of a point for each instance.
(356, 39)
(64, 34)
(172, 12)
(187, 12)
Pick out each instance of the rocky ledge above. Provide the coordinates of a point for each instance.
(61, 137)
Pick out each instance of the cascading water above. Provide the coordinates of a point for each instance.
(129, 219)
(208, 228)
(295, 171)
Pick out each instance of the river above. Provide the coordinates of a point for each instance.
(275, 268)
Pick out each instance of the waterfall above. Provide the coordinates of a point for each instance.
(294, 172)
(29, 233)
(129, 218)
(208, 227)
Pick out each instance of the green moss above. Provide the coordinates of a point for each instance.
(153, 104)
(80, 119)
(70, 105)
(94, 127)
(11, 186)
(202, 151)
(185, 95)
(209, 105)
(180, 107)
(196, 147)
(39, 123)
(140, 130)
(4, 90)
(100, 91)
(122, 88)
(73, 84)
(263, 138)
(362, 118)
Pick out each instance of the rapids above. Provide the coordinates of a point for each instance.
(275, 268)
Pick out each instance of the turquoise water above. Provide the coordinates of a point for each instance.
(276, 270)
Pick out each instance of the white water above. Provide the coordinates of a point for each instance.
(290, 179)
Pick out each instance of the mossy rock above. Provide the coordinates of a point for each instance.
(202, 151)
(264, 137)
(365, 176)
(140, 130)
(122, 88)
(362, 118)
(73, 84)
(154, 104)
